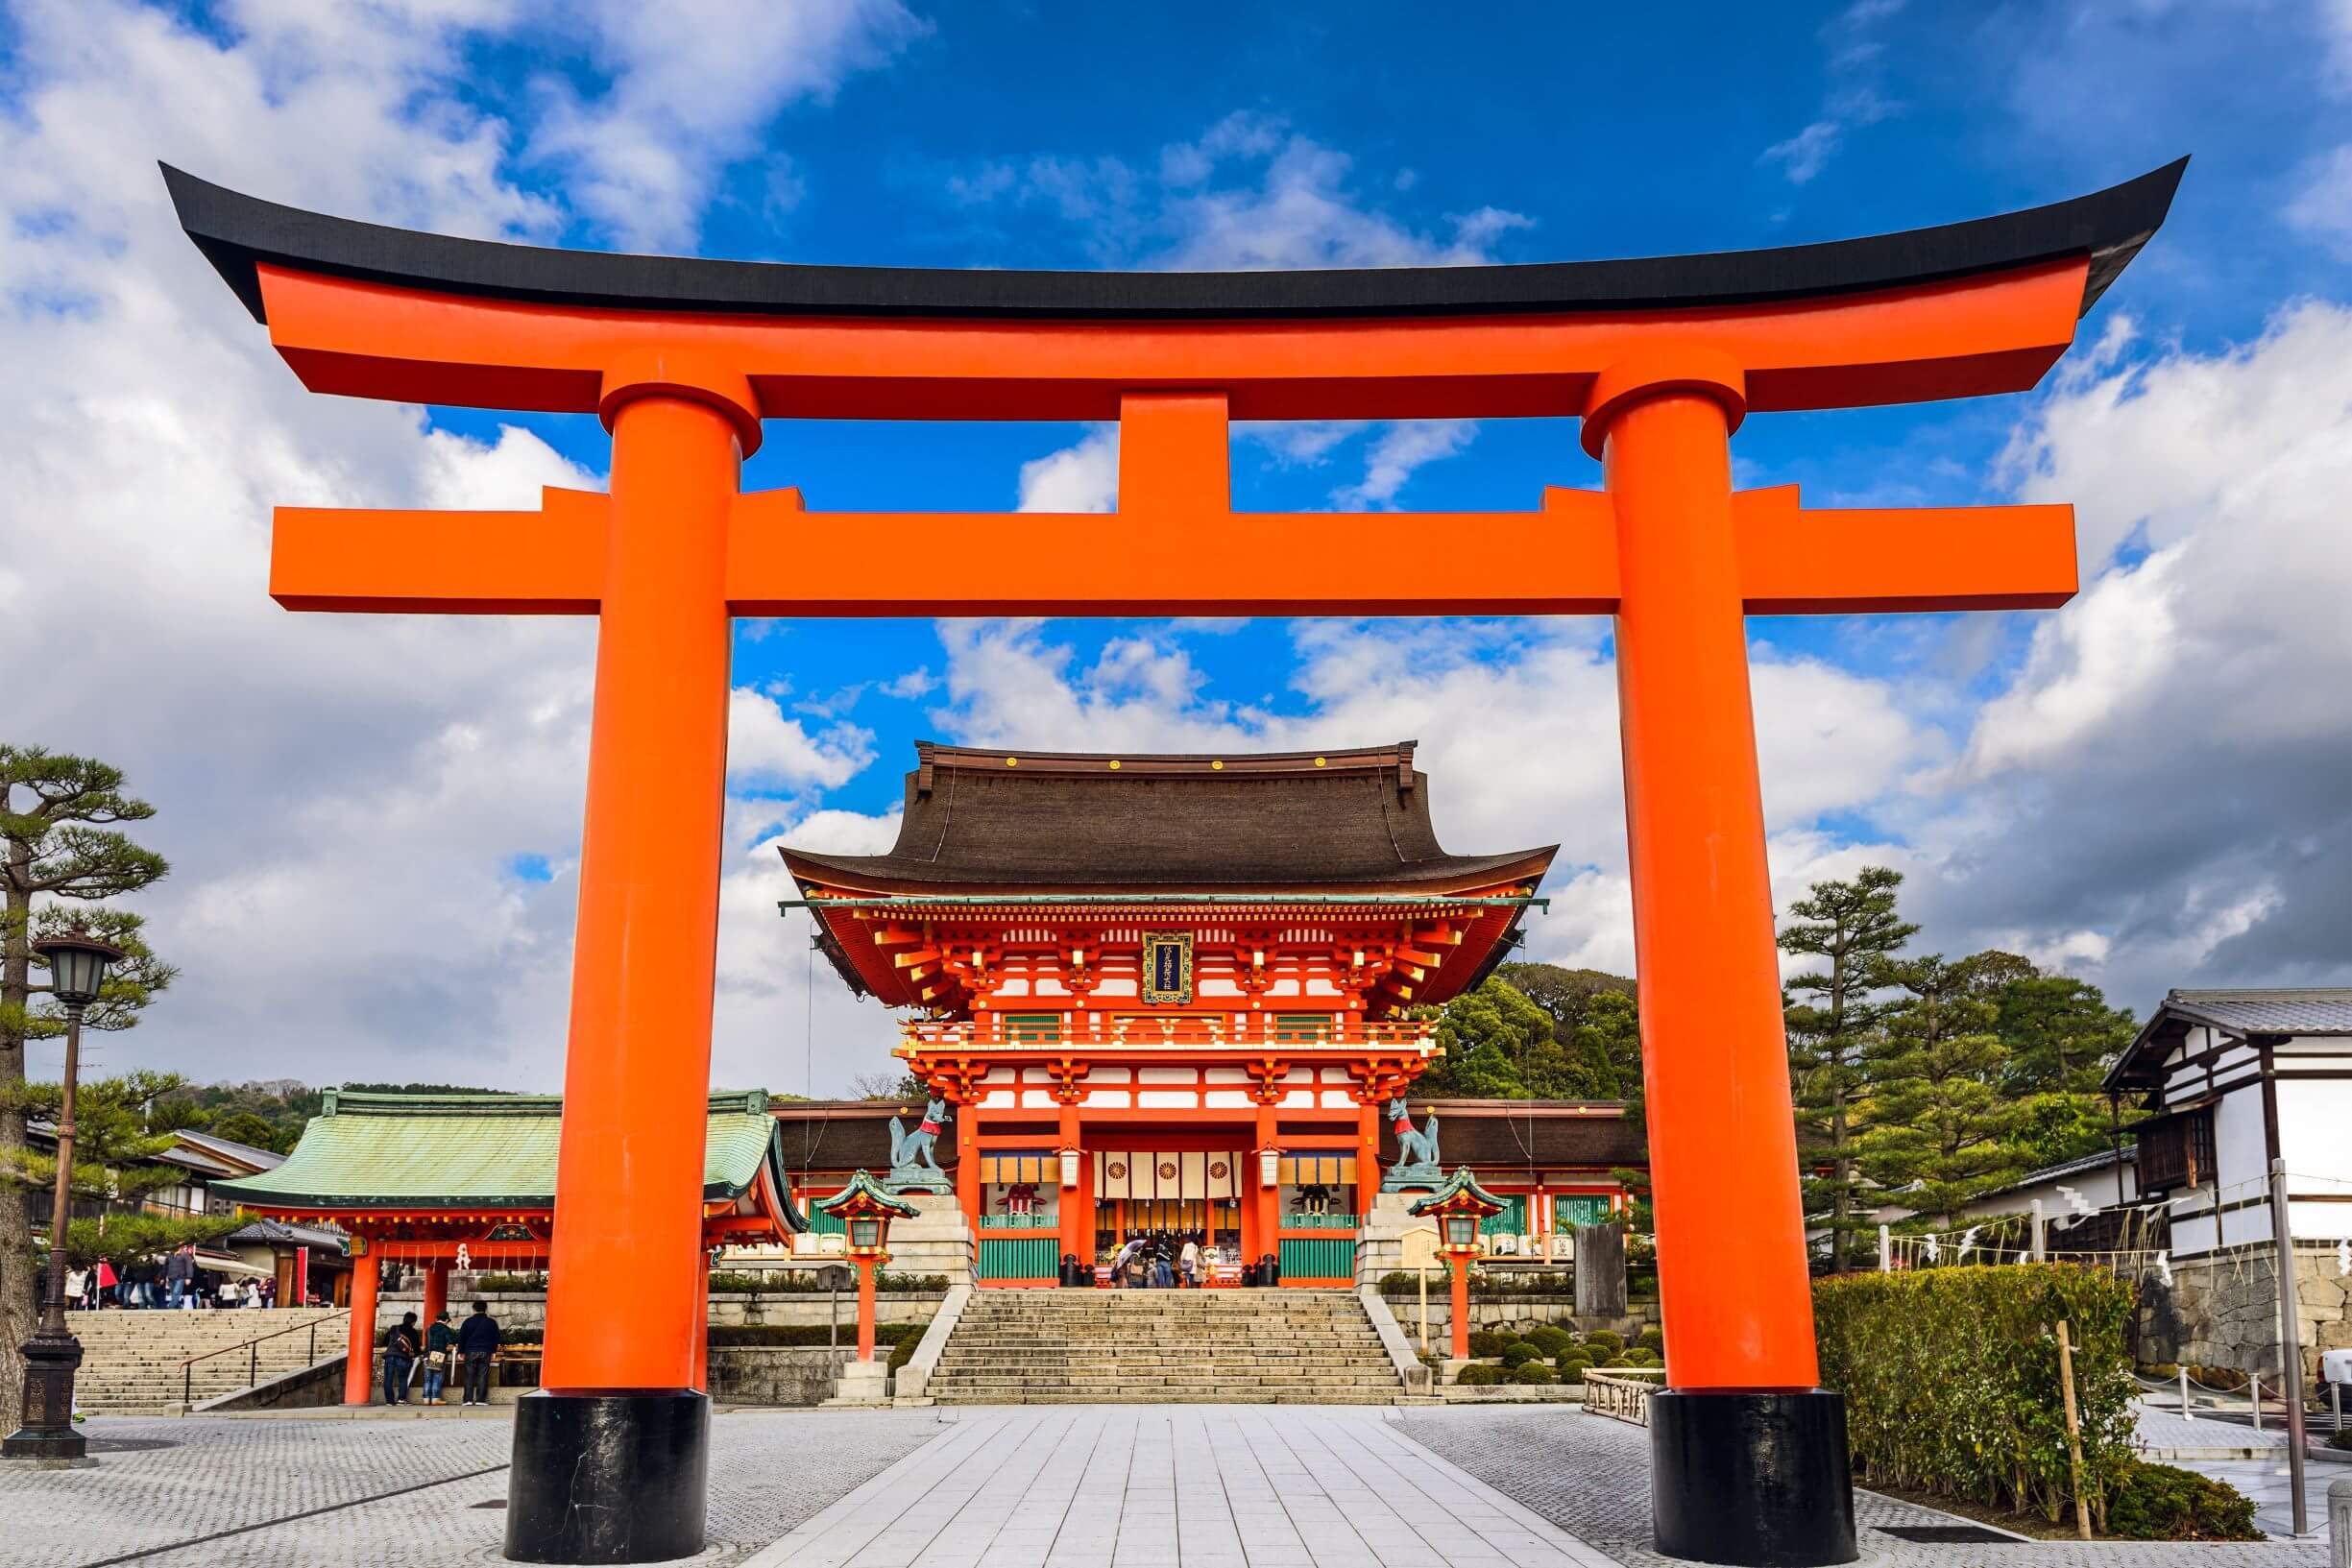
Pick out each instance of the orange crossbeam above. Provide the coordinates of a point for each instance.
(545, 562)
(1203, 559)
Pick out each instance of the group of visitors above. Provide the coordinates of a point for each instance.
(1161, 1260)
(437, 1351)
(175, 1280)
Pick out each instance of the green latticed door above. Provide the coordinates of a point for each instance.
(1020, 1257)
(1568, 1213)
(1317, 1257)
(1510, 1220)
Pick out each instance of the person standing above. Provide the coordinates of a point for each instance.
(178, 1271)
(77, 1286)
(400, 1347)
(1189, 1261)
(103, 1293)
(477, 1340)
(440, 1341)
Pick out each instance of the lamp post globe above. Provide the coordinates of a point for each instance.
(77, 973)
(78, 964)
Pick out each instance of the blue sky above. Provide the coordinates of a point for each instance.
(2139, 787)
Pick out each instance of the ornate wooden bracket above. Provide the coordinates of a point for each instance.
(1266, 1076)
(958, 1081)
(1068, 1075)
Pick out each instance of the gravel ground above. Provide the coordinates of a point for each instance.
(206, 1476)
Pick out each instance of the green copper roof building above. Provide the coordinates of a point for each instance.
(379, 1151)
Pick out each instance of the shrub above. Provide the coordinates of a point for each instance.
(1519, 1353)
(510, 1281)
(1478, 1377)
(1608, 1339)
(1485, 1344)
(1652, 1339)
(903, 1351)
(1951, 1378)
(1549, 1340)
(2226, 1378)
(1571, 1368)
(1615, 1361)
(1534, 1372)
(2166, 1370)
(2161, 1503)
(806, 1333)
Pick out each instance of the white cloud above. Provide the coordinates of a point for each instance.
(2166, 772)
(1803, 155)
(1080, 478)
(346, 799)
(2322, 207)
(767, 750)
(690, 88)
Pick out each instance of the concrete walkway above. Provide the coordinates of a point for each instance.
(1153, 1486)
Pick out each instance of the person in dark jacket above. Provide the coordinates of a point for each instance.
(400, 1348)
(477, 1340)
(179, 1274)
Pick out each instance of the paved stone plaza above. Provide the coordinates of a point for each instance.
(1065, 1486)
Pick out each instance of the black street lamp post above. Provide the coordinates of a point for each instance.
(77, 969)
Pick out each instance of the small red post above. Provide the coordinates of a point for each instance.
(359, 1361)
(865, 1308)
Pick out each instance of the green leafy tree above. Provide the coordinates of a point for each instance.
(2061, 1037)
(1501, 1045)
(114, 1169)
(63, 852)
(245, 1128)
(1939, 1125)
(1833, 1016)
(1594, 1019)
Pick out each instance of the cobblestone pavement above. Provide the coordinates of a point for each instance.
(769, 1470)
(1589, 1475)
(1177, 1486)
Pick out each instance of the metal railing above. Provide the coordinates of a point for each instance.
(252, 1351)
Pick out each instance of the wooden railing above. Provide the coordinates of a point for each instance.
(1623, 1393)
(1214, 1031)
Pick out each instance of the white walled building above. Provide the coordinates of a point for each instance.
(2238, 1079)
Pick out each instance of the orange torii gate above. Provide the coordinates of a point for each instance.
(1663, 359)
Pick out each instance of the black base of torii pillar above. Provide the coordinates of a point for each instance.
(608, 1476)
(1754, 1477)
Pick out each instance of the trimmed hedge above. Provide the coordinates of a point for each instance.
(1951, 1378)
(1548, 1339)
(2161, 1503)
(737, 1335)
(1533, 1372)
(1478, 1377)
(1573, 1368)
(1486, 1343)
(1608, 1339)
(1519, 1353)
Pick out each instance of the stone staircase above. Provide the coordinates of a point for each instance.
(1221, 1346)
(130, 1360)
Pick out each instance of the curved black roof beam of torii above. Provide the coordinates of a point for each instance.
(237, 232)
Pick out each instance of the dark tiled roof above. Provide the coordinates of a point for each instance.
(2273, 1011)
(1038, 821)
(2270, 1010)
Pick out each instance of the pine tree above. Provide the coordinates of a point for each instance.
(2062, 1037)
(58, 840)
(1855, 927)
(1938, 1121)
(115, 1147)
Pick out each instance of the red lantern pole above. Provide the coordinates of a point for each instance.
(1459, 1262)
(866, 1307)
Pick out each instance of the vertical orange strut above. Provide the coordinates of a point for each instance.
(866, 1307)
(1459, 1264)
(623, 1279)
(1733, 1277)
(359, 1349)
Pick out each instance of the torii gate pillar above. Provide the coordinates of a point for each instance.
(1663, 358)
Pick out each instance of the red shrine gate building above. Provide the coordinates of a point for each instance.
(1188, 995)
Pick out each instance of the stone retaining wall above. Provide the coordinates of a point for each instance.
(2225, 1312)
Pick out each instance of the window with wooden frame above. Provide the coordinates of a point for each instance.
(2176, 1150)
